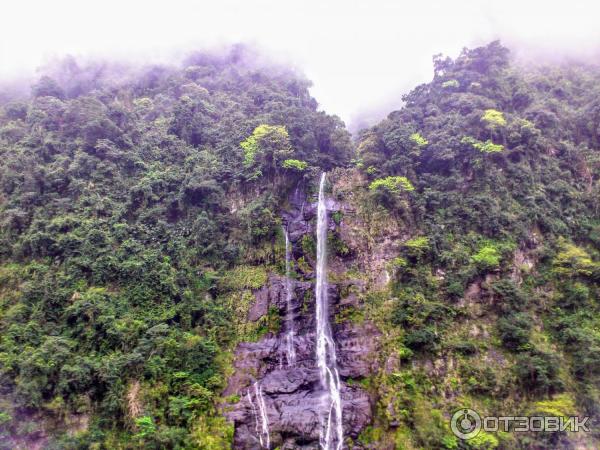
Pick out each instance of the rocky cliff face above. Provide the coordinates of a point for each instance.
(292, 395)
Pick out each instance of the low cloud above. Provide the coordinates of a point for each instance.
(361, 56)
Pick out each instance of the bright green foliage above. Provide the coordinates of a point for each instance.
(450, 442)
(337, 245)
(562, 405)
(268, 145)
(146, 426)
(399, 262)
(487, 258)
(417, 243)
(244, 277)
(419, 140)
(251, 146)
(212, 433)
(483, 441)
(493, 119)
(416, 247)
(370, 435)
(295, 164)
(337, 216)
(484, 147)
(573, 261)
(4, 418)
(393, 184)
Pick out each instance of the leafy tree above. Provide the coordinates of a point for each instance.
(573, 261)
(487, 257)
(515, 330)
(419, 140)
(484, 147)
(268, 147)
(392, 184)
(493, 119)
(47, 87)
(295, 164)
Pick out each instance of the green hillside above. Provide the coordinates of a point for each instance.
(141, 210)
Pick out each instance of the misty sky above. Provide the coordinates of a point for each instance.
(361, 55)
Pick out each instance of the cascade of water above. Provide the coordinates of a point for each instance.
(289, 337)
(332, 434)
(260, 415)
(254, 413)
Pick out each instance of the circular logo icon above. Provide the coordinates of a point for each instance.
(465, 424)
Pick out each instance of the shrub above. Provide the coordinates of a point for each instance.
(514, 331)
(146, 426)
(336, 244)
(309, 246)
(537, 372)
(398, 263)
(336, 216)
(484, 147)
(574, 296)
(483, 441)
(493, 118)
(419, 140)
(267, 145)
(295, 164)
(512, 297)
(244, 277)
(422, 339)
(573, 261)
(417, 246)
(487, 258)
(562, 405)
(392, 184)
(212, 433)
(586, 360)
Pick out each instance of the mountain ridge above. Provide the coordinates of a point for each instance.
(142, 254)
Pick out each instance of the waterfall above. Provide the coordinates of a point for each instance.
(289, 337)
(260, 416)
(332, 434)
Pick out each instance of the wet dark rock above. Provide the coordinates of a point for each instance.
(293, 395)
(357, 349)
(274, 294)
(293, 399)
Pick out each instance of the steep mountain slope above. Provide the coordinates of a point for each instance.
(144, 291)
(129, 212)
(480, 200)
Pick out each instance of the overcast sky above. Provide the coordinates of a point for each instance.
(361, 55)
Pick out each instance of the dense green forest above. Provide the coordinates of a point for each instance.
(141, 208)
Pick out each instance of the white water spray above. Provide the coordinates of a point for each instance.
(260, 415)
(289, 337)
(332, 433)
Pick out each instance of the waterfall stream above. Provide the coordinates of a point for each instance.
(289, 337)
(260, 415)
(331, 437)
